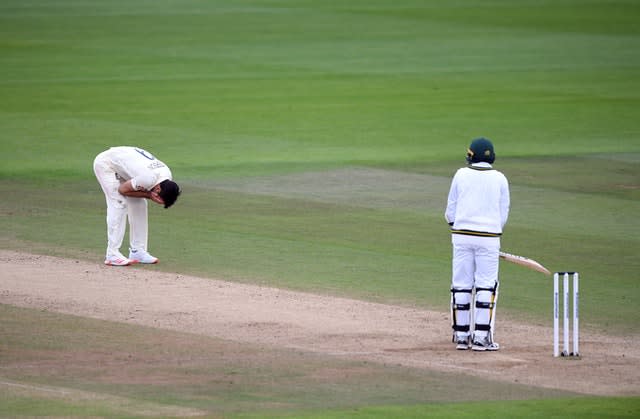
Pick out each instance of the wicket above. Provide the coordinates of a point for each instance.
(565, 309)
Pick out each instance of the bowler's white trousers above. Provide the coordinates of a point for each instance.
(475, 265)
(118, 207)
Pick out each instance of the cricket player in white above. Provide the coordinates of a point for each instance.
(477, 210)
(128, 177)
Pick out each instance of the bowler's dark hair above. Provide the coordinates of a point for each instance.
(169, 192)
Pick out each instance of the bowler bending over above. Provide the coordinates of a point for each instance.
(128, 177)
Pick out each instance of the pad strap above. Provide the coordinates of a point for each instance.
(482, 304)
(465, 290)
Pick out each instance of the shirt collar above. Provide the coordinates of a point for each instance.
(482, 164)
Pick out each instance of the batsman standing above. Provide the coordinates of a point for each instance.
(128, 177)
(477, 211)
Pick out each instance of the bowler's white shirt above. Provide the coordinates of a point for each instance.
(144, 170)
(478, 200)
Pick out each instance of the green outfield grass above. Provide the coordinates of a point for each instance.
(315, 142)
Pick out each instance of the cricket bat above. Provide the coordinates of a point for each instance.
(523, 261)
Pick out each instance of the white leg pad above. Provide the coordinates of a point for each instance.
(461, 311)
(485, 306)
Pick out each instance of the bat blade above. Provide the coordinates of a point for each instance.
(526, 262)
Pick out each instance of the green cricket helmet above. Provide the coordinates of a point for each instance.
(481, 150)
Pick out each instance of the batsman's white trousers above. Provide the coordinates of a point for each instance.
(475, 265)
(118, 208)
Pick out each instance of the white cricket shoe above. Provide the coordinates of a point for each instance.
(484, 344)
(462, 344)
(142, 256)
(118, 260)
(462, 341)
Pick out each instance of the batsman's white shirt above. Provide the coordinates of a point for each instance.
(478, 202)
